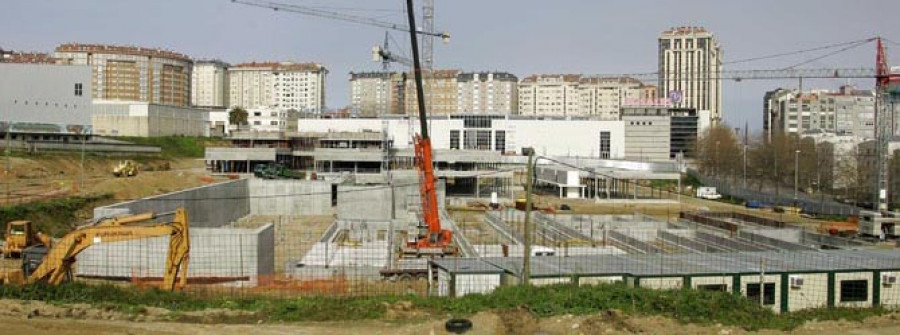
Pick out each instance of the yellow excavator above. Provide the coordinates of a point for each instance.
(20, 235)
(56, 265)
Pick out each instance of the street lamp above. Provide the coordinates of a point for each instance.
(745, 165)
(796, 173)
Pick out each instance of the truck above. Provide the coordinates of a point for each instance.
(708, 193)
(276, 171)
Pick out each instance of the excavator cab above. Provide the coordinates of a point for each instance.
(21, 235)
(32, 258)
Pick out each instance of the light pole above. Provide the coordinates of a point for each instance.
(745, 165)
(718, 186)
(796, 173)
(717, 160)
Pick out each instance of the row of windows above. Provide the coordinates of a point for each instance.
(46, 104)
(851, 291)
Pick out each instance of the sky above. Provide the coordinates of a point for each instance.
(519, 36)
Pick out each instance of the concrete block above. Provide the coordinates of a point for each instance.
(225, 254)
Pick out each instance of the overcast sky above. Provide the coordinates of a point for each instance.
(519, 36)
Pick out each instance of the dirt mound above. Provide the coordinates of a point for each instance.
(35, 309)
(403, 310)
(519, 321)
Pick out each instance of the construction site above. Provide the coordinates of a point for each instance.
(427, 196)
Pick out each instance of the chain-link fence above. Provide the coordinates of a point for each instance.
(759, 258)
(814, 204)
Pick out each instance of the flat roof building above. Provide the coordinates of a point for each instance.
(45, 100)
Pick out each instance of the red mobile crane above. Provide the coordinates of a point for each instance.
(431, 239)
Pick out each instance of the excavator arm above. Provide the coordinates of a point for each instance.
(58, 261)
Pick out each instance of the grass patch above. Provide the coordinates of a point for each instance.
(55, 217)
(178, 146)
(689, 306)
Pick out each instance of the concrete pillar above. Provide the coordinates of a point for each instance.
(477, 190)
(634, 187)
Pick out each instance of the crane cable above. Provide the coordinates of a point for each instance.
(797, 52)
(826, 55)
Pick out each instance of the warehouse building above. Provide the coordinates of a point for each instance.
(141, 119)
(45, 102)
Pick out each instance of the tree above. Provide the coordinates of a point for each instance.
(719, 153)
(237, 116)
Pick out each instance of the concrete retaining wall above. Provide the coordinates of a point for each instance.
(207, 206)
(216, 253)
(289, 197)
(374, 202)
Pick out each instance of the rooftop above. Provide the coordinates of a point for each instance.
(686, 30)
(685, 263)
(27, 57)
(279, 66)
(123, 50)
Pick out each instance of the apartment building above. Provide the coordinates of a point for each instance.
(299, 86)
(440, 89)
(576, 95)
(378, 93)
(127, 73)
(690, 65)
(848, 111)
(209, 84)
(487, 92)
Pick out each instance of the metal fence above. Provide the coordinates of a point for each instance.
(813, 204)
(295, 256)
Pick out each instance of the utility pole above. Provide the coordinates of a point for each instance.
(526, 265)
(745, 166)
(796, 173)
(8, 166)
(81, 186)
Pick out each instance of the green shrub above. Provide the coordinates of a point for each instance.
(55, 217)
(689, 306)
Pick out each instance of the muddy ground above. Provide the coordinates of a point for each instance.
(31, 317)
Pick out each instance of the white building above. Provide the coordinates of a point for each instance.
(271, 119)
(209, 84)
(142, 119)
(846, 112)
(690, 65)
(45, 100)
(548, 136)
(487, 92)
(299, 86)
(575, 95)
(219, 122)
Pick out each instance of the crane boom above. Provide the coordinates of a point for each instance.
(738, 75)
(435, 240)
(277, 6)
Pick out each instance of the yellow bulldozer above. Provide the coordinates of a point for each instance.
(20, 235)
(53, 265)
(126, 168)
